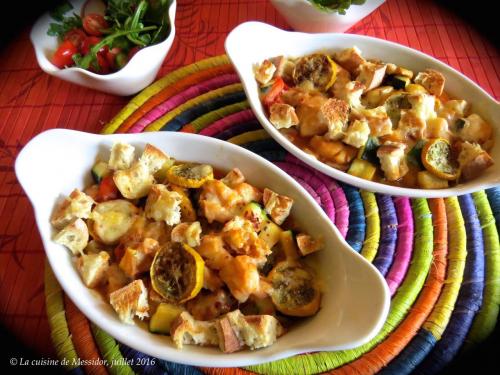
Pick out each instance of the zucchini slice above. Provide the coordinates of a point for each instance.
(99, 171)
(190, 175)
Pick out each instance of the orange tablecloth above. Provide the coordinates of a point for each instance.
(32, 101)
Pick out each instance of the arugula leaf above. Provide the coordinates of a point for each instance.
(60, 10)
(60, 28)
(414, 156)
(339, 6)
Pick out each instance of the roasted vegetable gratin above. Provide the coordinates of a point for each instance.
(375, 120)
(207, 258)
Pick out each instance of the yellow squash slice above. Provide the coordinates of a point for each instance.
(318, 70)
(177, 273)
(190, 175)
(436, 158)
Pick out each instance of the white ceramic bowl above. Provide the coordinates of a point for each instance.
(304, 16)
(355, 300)
(262, 41)
(138, 73)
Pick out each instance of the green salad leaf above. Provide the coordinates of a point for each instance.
(63, 23)
(339, 6)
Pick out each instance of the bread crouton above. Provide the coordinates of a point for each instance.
(253, 331)
(393, 160)
(335, 112)
(277, 206)
(93, 268)
(423, 105)
(357, 133)
(350, 58)
(77, 206)
(241, 277)
(122, 156)
(187, 233)
(211, 280)
(412, 126)
(134, 182)
(185, 330)
(137, 260)
(233, 177)
(371, 75)
(307, 244)
(116, 278)
(130, 301)
(112, 219)
(394, 69)
(163, 205)
(213, 251)
(75, 236)
(351, 93)
(474, 129)
(377, 118)
(153, 158)
(265, 72)
(432, 80)
(473, 160)
(210, 305)
(283, 116)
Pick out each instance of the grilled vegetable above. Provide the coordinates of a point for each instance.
(436, 158)
(414, 157)
(190, 175)
(270, 233)
(289, 245)
(99, 171)
(397, 81)
(362, 168)
(188, 213)
(177, 273)
(162, 319)
(369, 151)
(294, 291)
(317, 71)
(256, 214)
(427, 180)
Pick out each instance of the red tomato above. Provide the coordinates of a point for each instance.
(77, 37)
(102, 60)
(88, 42)
(94, 23)
(111, 56)
(132, 52)
(274, 93)
(107, 189)
(64, 53)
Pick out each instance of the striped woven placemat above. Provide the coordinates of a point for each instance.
(440, 257)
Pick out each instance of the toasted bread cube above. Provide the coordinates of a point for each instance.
(475, 130)
(241, 277)
(394, 69)
(454, 109)
(265, 72)
(432, 80)
(307, 244)
(75, 236)
(153, 158)
(228, 336)
(350, 58)
(93, 268)
(187, 233)
(283, 116)
(138, 260)
(254, 331)
(412, 125)
(77, 206)
(211, 280)
(357, 133)
(233, 178)
(163, 205)
(122, 156)
(351, 93)
(116, 278)
(371, 75)
(427, 180)
(437, 128)
(423, 105)
(134, 182)
(130, 301)
(185, 330)
(378, 120)
(473, 160)
(393, 160)
(377, 97)
(277, 206)
(335, 112)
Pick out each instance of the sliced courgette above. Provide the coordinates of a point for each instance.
(414, 157)
(362, 168)
(397, 81)
(369, 151)
(99, 171)
(270, 233)
(256, 214)
(289, 245)
(162, 319)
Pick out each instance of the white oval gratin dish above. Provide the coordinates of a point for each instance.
(138, 73)
(263, 41)
(355, 299)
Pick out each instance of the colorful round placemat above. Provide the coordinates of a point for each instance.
(440, 257)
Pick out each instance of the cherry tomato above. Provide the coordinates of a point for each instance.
(274, 93)
(133, 51)
(88, 42)
(111, 56)
(107, 188)
(121, 60)
(77, 37)
(64, 54)
(94, 23)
